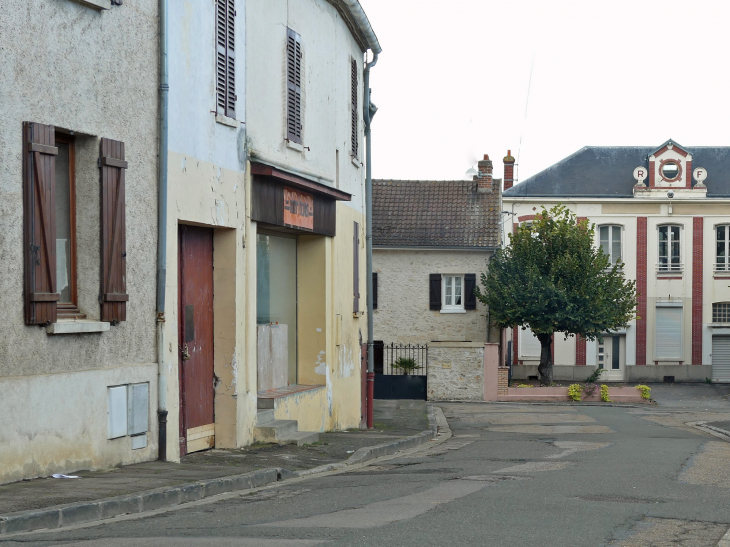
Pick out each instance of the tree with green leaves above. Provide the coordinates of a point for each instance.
(553, 278)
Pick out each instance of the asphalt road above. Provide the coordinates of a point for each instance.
(511, 475)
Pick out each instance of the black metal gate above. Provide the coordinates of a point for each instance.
(401, 371)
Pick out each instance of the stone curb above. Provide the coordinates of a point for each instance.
(150, 500)
(725, 541)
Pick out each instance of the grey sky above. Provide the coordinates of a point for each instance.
(451, 83)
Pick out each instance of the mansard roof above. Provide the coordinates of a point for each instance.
(607, 171)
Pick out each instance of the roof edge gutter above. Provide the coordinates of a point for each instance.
(433, 248)
(363, 23)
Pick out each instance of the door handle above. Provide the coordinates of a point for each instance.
(185, 352)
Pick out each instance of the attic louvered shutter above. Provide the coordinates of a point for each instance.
(293, 86)
(113, 295)
(39, 219)
(353, 110)
(470, 299)
(434, 291)
(225, 58)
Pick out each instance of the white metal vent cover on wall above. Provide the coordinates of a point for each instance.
(668, 332)
(128, 412)
(721, 358)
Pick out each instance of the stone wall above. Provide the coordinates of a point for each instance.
(403, 314)
(456, 372)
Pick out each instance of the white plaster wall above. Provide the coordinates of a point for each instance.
(57, 423)
(403, 313)
(327, 46)
(193, 131)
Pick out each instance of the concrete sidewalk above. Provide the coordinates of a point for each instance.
(51, 503)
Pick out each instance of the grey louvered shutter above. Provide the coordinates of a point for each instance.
(39, 220)
(470, 299)
(225, 58)
(356, 268)
(353, 110)
(668, 333)
(293, 86)
(434, 291)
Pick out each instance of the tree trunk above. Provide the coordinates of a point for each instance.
(546, 359)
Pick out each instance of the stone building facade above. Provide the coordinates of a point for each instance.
(432, 240)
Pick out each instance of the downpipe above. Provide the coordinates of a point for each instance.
(369, 110)
(162, 235)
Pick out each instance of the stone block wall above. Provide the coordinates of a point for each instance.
(502, 381)
(456, 371)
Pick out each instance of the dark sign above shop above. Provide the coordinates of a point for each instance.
(282, 199)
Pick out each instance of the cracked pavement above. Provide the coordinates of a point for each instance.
(523, 475)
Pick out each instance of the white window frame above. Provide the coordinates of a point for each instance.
(452, 308)
(723, 266)
(670, 267)
(680, 356)
(610, 241)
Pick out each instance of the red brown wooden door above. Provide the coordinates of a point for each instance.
(195, 329)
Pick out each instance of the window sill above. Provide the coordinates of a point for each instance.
(225, 120)
(722, 274)
(77, 327)
(295, 146)
(453, 311)
(357, 163)
(96, 4)
(670, 275)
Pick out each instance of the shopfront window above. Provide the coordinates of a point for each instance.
(276, 297)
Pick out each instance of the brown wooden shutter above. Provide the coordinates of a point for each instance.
(434, 296)
(353, 111)
(470, 298)
(39, 219)
(293, 86)
(113, 295)
(225, 58)
(375, 290)
(356, 268)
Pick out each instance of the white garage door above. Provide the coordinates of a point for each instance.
(721, 358)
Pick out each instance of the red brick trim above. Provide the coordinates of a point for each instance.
(697, 277)
(515, 345)
(651, 174)
(641, 274)
(580, 351)
(688, 182)
(526, 217)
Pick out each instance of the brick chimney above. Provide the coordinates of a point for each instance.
(484, 178)
(509, 170)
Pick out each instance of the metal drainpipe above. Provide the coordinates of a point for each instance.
(162, 236)
(367, 115)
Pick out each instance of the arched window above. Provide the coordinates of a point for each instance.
(670, 252)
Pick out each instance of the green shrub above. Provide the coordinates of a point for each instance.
(604, 394)
(575, 391)
(406, 364)
(645, 391)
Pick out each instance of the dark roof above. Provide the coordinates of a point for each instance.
(444, 213)
(608, 171)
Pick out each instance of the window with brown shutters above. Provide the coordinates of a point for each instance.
(113, 296)
(356, 268)
(353, 109)
(375, 290)
(39, 218)
(434, 291)
(293, 86)
(225, 58)
(470, 297)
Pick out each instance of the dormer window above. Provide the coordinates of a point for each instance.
(671, 170)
